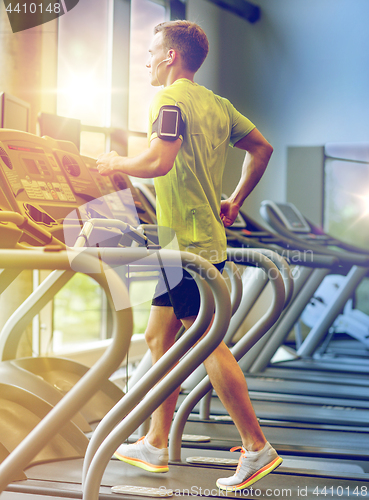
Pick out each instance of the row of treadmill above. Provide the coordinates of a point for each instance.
(308, 380)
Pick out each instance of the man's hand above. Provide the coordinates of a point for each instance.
(105, 162)
(228, 212)
(154, 161)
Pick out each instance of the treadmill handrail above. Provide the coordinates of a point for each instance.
(124, 227)
(15, 325)
(286, 247)
(30, 227)
(306, 284)
(145, 382)
(75, 399)
(152, 376)
(344, 256)
(254, 280)
(239, 350)
(284, 269)
(236, 285)
(333, 309)
(197, 354)
(12, 331)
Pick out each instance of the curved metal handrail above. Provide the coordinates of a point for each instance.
(166, 386)
(86, 387)
(152, 376)
(236, 255)
(236, 284)
(236, 298)
(250, 293)
(249, 339)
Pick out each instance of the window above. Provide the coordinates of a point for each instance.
(347, 201)
(77, 303)
(346, 211)
(93, 72)
(145, 15)
(84, 64)
(103, 81)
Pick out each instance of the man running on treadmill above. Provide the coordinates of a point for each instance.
(190, 129)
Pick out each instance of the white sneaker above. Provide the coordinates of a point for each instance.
(252, 466)
(142, 454)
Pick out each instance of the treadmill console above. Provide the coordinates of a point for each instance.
(290, 216)
(49, 182)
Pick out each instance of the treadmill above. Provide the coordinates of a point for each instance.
(178, 480)
(321, 398)
(306, 467)
(47, 191)
(325, 447)
(248, 233)
(73, 489)
(293, 434)
(73, 167)
(41, 432)
(315, 239)
(23, 257)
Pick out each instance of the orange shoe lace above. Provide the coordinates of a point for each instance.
(236, 448)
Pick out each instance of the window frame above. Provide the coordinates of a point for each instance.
(117, 133)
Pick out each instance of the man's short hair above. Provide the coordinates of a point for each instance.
(188, 39)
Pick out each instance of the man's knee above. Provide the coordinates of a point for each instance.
(151, 338)
(159, 340)
(161, 329)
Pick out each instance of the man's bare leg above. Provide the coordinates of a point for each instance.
(258, 457)
(160, 336)
(225, 375)
(230, 385)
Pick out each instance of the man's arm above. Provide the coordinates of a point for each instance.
(258, 152)
(155, 161)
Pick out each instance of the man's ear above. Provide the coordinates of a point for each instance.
(172, 54)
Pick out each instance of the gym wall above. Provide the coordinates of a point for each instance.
(300, 73)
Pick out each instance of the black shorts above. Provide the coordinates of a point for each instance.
(184, 297)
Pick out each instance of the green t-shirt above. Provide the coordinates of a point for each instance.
(188, 196)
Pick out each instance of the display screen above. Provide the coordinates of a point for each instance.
(31, 166)
(27, 149)
(169, 122)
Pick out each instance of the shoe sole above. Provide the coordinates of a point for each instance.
(140, 463)
(255, 477)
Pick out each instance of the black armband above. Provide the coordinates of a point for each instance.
(169, 125)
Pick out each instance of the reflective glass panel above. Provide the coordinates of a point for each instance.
(145, 15)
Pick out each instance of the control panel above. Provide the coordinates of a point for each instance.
(290, 216)
(44, 181)
(47, 180)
